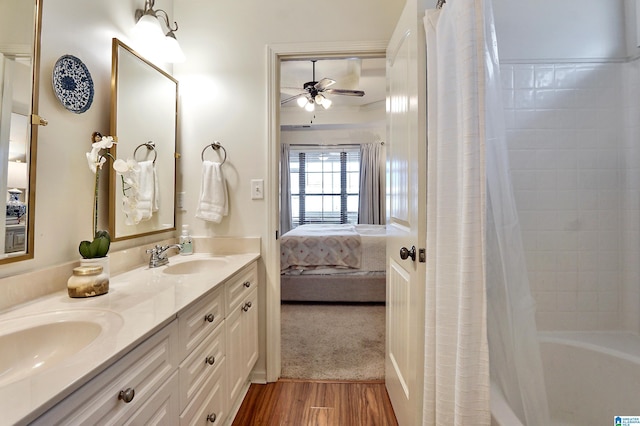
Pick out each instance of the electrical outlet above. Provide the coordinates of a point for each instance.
(257, 189)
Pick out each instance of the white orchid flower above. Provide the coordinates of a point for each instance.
(94, 158)
(120, 166)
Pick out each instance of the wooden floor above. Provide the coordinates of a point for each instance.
(305, 403)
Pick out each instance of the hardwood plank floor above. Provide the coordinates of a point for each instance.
(316, 403)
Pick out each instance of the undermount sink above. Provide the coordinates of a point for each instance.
(38, 342)
(195, 266)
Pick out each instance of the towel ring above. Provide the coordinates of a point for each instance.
(151, 146)
(216, 147)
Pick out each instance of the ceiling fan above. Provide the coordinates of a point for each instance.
(314, 92)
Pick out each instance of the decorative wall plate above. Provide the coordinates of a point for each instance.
(72, 84)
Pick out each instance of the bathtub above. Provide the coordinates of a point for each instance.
(590, 377)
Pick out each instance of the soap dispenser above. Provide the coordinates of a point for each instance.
(185, 241)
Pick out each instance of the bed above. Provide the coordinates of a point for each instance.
(333, 263)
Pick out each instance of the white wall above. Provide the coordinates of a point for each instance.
(568, 29)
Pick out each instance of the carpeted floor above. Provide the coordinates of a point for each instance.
(333, 342)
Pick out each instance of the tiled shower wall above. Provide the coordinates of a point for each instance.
(573, 166)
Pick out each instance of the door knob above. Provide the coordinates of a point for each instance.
(405, 253)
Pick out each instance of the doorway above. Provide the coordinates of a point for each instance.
(276, 55)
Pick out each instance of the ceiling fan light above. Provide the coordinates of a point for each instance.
(310, 107)
(326, 103)
(302, 101)
(319, 99)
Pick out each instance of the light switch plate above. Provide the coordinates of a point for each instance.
(257, 189)
(180, 201)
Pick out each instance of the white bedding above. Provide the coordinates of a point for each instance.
(372, 250)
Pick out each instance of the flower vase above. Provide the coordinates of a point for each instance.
(90, 279)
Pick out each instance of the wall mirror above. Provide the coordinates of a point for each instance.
(19, 67)
(144, 111)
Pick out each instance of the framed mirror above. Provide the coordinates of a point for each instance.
(144, 112)
(20, 22)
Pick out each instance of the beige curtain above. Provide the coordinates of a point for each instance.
(285, 190)
(370, 209)
(456, 390)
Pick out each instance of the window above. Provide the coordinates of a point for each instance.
(324, 185)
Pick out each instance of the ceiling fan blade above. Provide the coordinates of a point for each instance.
(344, 92)
(324, 83)
(289, 99)
(290, 90)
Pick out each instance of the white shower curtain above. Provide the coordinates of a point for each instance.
(456, 388)
(477, 244)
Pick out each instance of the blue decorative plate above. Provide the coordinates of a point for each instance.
(72, 84)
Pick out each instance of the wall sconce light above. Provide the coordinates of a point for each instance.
(149, 27)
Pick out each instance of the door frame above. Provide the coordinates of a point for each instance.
(275, 54)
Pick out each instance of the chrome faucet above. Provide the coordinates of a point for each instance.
(159, 255)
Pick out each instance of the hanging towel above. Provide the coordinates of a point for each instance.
(146, 189)
(156, 191)
(213, 193)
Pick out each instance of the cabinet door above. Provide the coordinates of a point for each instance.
(235, 361)
(250, 334)
(242, 343)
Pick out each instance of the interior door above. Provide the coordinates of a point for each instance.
(406, 186)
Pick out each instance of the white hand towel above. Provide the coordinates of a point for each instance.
(146, 189)
(213, 203)
(156, 191)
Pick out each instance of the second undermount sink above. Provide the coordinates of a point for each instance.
(32, 344)
(196, 266)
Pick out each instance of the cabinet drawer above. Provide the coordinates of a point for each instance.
(200, 364)
(209, 406)
(162, 408)
(142, 370)
(200, 320)
(240, 285)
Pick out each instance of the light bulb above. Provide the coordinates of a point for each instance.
(148, 27)
(319, 99)
(173, 51)
(302, 101)
(326, 103)
(310, 106)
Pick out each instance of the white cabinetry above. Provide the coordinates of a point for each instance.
(242, 328)
(202, 369)
(136, 390)
(191, 372)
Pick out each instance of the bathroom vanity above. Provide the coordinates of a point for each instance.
(175, 345)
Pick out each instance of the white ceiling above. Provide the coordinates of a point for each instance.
(366, 74)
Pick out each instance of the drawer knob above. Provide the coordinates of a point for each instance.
(247, 284)
(210, 360)
(212, 418)
(246, 306)
(127, 395)
(209, 318)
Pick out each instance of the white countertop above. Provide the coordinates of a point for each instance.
(143, 301)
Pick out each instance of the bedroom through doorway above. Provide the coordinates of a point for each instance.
(332, 232)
